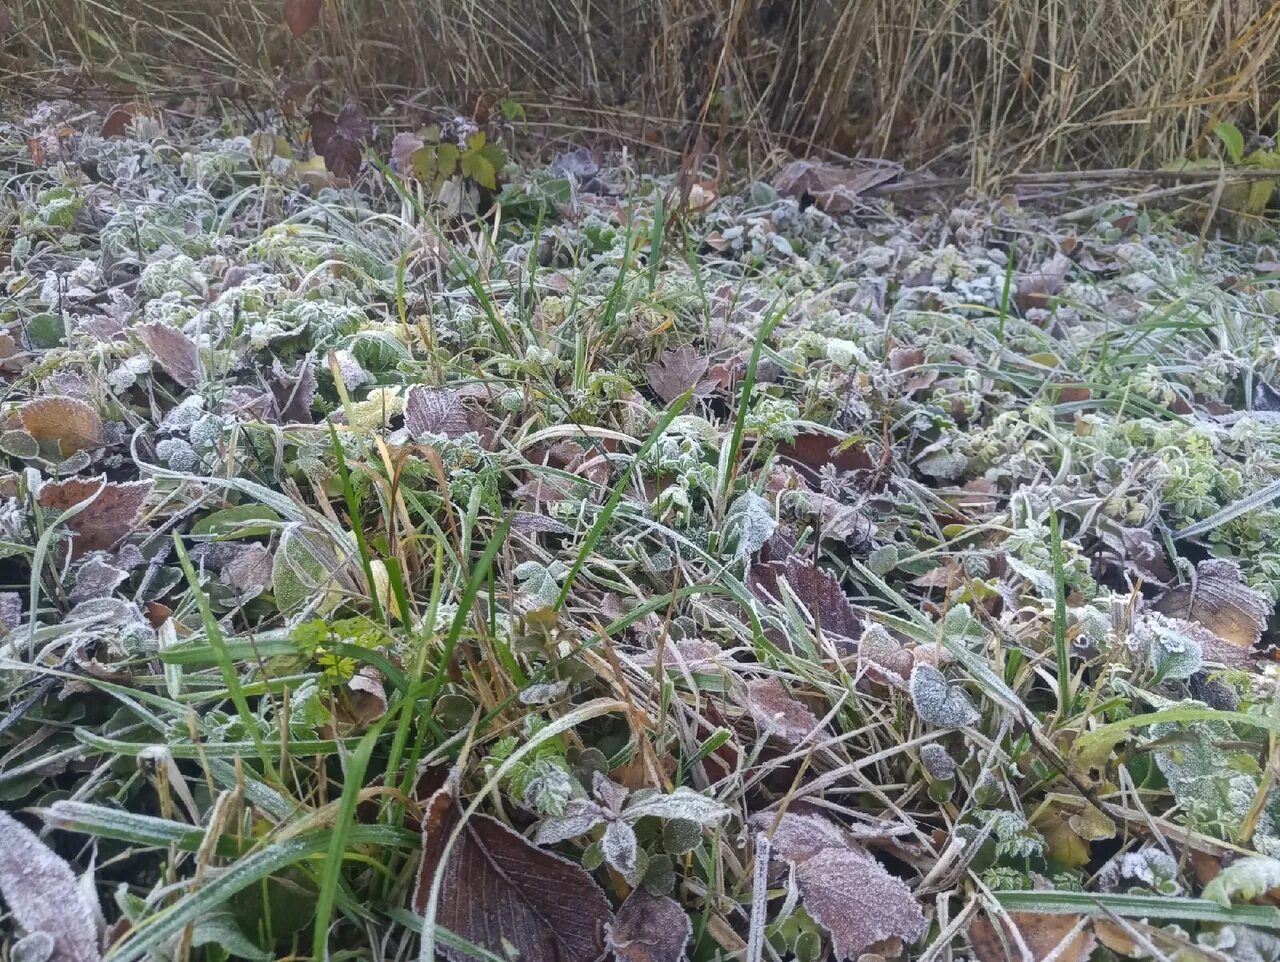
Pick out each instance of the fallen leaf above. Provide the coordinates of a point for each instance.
(937, 702)
(1045, 935)
(121, 116)
(73, 425)
(434, 411)
(679, 371)
(883, 658)
(649, 928)
(776, 712)
(1219, 600)
(43, 895)
(834, 189)
(816, 589)
(301, 15)
(843, 887)
(812, 452)
(402, 150)
(1035, 288)
(110, 517)
(294, 391)
(175, 352)
(95, 579)
(504, 894)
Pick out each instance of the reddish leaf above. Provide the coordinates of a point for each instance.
(776, 712)
(500, 892)
(679, 371)
(816, 589)
(1045, 936)
(434, 411)
(120, 117)
(175, 352)
(301, 15)
(70, 423)
(109, 518)
(649, 928)
(341, 141)
(812, 452)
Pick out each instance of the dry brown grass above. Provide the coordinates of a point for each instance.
(994, 84)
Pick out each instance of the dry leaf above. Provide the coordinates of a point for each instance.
(649, 928)
(844, 888)
(1042, 933)
(500, 892)
(1219, 600)
(1035, 288)
(679, 371)
(248, 574)
(293, 391)
(434, 411)
(776, 712)
(95, 578)
(110, 517)
(812, 452)
(832, 188)
(43, 895)
(341, 141)
(121, 116)
(175, 352)
(72, 424)
(815, 589)
(301, 15)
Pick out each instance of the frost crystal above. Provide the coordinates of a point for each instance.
(936, 702)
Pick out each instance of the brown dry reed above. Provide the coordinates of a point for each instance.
(986, 84)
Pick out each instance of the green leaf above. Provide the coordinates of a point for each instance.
(235, 522)
(510, 109)
(447, 160)
(1232, 140)
(424, 162)
(476, 142)
(475, 166)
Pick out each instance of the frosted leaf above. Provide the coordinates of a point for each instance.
(883, 658)
(937, 762)
(10, 610)
(682, 803)
(1149, 870)
(937, 702)
(42, 894)
(248, 574)
(1220, 601)
(175, 352)
(540, 581)
(679, 371)
(649, 928)
(1241, 944)
(619, 846)
(610, 794)
(36, 947)
(580, 816)
(751, 516)
(542, 693)
(1014, 836)
(797, 837)
(1245, 879)
(776, 712)
(434, 411)
(1174, 648)
(854, 897)
(95, 578)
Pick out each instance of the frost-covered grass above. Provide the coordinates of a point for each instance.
(815, 585)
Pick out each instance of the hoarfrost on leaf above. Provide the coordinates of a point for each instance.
(751, 517)
(1245, 879)
(939, 703)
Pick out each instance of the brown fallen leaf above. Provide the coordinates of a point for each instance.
(293, 391)
(111, 516)
(301, 15)
(434, 411)
(174, 351)
(776, 712)
(816, 589)
(834, 189)
(842, 885)
(679, 371)
(1035, 288)
(43, 895)
(121, 116)
(1219, 600)
(1044, 935)
(811, 452)
(649, 928)
(504, 894)
(70, 424)
(341, 140)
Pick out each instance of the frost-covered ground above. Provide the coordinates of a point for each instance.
(794, 582)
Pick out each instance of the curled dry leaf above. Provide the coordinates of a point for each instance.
(504, 894)
(110, 516)
(1219, 600)
(340, 141)
(67, 422)
(301, 15)
(174, 351)
(649, 928)
(1061, 937)
(43, 895)
(776, 712)
(435, 411)
(679, 371)
(293, 391)
(844, 888)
